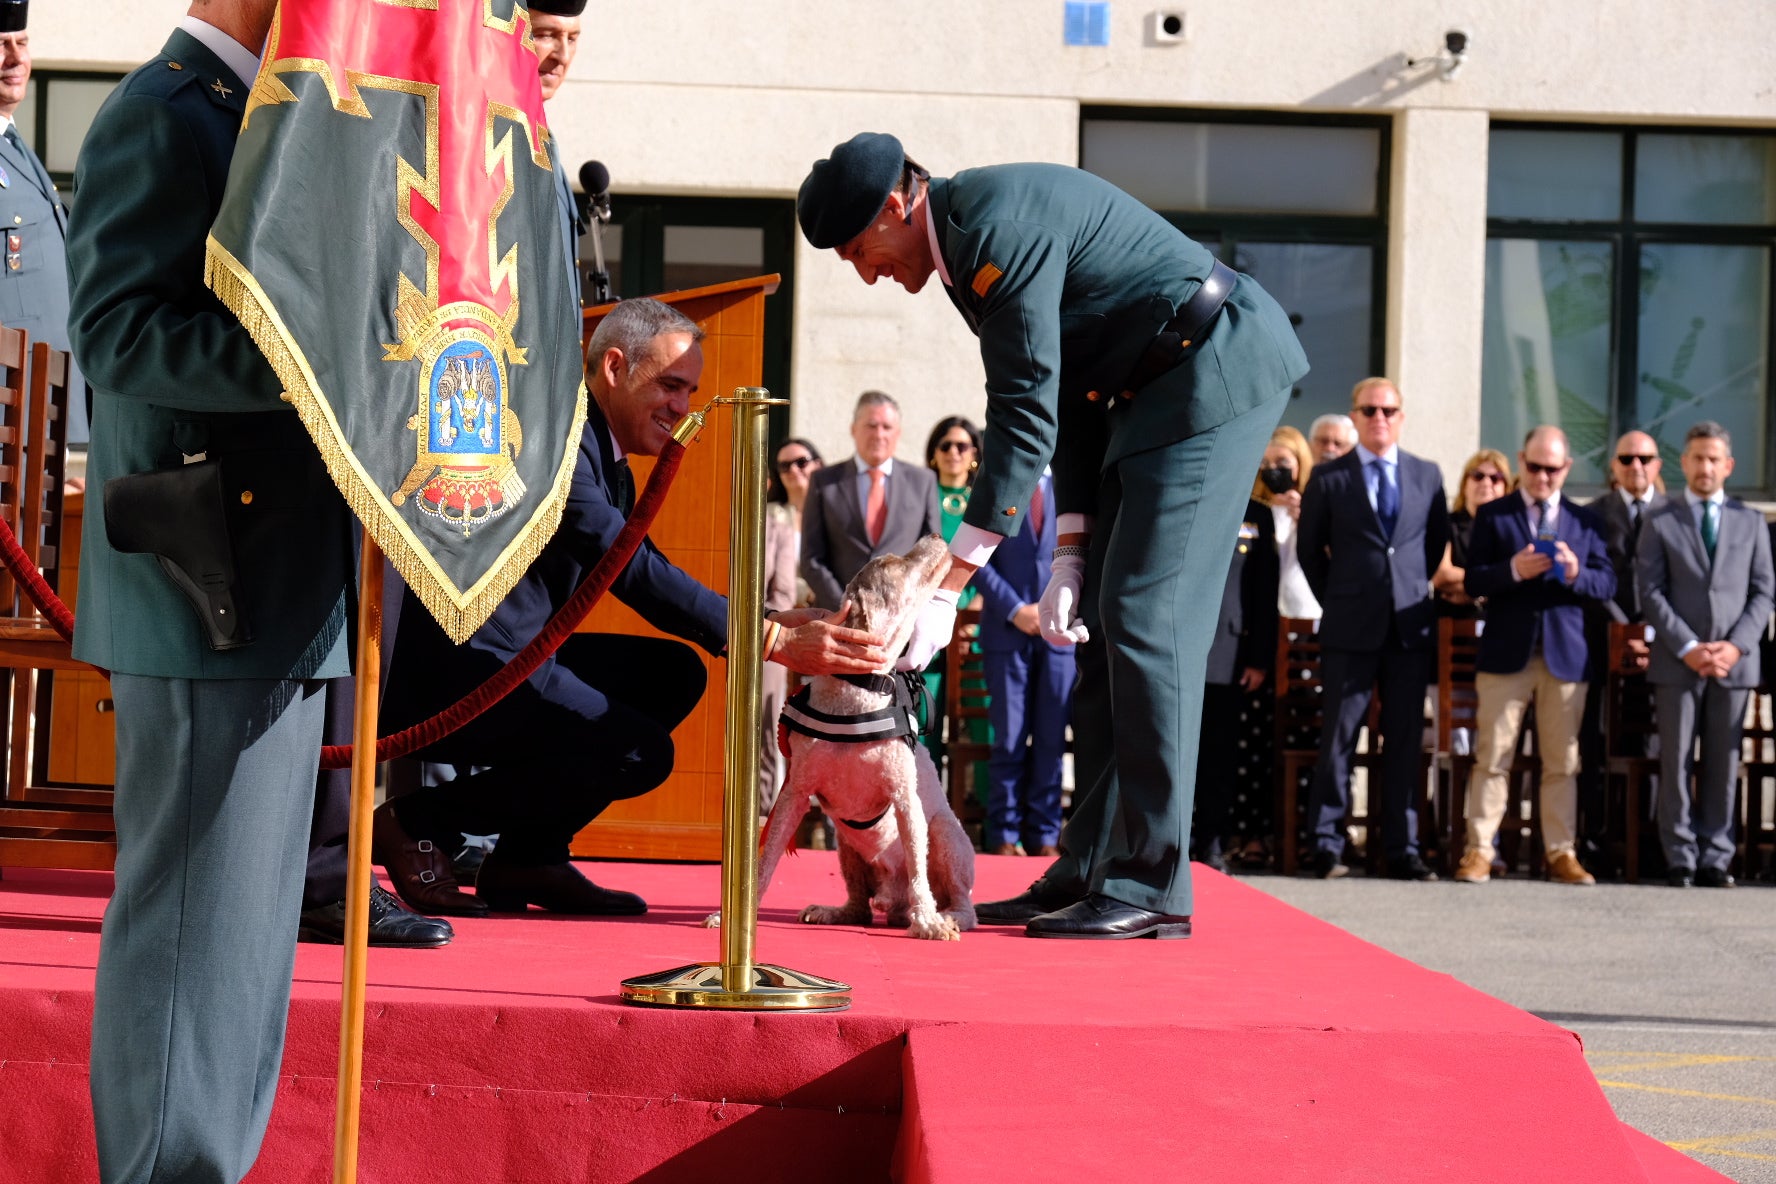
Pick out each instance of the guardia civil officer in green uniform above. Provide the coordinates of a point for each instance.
(33, 267)
(216, 748)
(1150, 376)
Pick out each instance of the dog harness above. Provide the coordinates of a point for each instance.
(899, 720)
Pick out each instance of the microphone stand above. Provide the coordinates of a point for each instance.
(598, 213)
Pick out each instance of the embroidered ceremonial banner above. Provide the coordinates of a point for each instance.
(391, 239)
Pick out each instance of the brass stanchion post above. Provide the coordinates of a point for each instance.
(737, 982)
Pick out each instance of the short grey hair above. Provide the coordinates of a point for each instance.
(873, 399)
(1343, 423)
(1708, 429)
(632, 326)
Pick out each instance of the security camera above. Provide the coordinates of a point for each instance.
(1166, 27)
(1456, 41)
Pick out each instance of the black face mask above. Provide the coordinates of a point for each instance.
(1277, 480)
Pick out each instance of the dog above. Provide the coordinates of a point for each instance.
(901, 849)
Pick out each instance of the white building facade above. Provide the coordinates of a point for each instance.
(1572, 219)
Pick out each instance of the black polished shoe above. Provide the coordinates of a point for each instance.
(1714, 877)
(392, 925)
(1328, 866)
(1098, 916)
(1039, 898)
(557, 887)
(1680, 877)
(1410, 867)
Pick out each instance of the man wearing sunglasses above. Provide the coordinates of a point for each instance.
(1374, 524)
(1637, 492)
(1538, 560)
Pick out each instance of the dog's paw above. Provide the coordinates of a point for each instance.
(938, 928)
(826, 914)
(712, 921)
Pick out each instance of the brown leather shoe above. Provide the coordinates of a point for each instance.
(1006, 849)
(558, 887)
(1564, 868)
(420, 869)
(1475, 867)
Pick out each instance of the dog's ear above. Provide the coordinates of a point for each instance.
(868, 608)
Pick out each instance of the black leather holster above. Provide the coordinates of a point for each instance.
(179, 516)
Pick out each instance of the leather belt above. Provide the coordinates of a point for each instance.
(1186, 329)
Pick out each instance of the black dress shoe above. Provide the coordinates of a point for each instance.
(1039, 898)
(1328, 866)
(1098, 916)
(1714, 877)
(1680, 877)
(420, 869)
(1410, 867)
(392, 925)
(557, 887)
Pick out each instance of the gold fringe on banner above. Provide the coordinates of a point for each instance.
(459, 611)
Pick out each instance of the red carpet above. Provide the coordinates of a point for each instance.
(1271, 1046)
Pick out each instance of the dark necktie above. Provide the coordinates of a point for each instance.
(1544, 527)
(1387, 497)
(12, 137)
(625, 487)
(1710, 528)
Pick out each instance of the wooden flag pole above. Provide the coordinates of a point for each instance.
(357, 878)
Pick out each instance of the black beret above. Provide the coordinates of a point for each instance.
(848, 189)
(559, 7)
(12, 15)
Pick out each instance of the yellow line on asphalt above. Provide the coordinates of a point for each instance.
(1671, 1060)
(1686, 1093)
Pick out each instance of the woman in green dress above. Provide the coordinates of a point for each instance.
(952, 451)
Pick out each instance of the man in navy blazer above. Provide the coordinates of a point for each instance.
(1030, 684)
(1538, 560)
(1374, 525)
(593, 724)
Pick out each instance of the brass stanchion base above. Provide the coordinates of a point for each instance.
(774, 988)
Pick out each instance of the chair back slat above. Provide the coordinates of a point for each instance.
(13, 435)
(46, 454)
(1458, 654)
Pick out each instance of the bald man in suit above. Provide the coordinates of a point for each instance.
(853, 514)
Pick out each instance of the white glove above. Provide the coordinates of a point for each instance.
(932, 630)
(1058, 610)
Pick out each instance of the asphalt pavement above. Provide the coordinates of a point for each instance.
(1672, 990)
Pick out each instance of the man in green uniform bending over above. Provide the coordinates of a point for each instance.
(1150, 376)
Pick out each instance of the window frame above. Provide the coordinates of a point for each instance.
(1626, 236)
(42, 89)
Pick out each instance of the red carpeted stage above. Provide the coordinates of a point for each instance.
(1269, 1047)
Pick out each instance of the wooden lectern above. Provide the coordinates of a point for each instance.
(682, 819)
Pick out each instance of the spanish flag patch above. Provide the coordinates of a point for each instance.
(985, 278)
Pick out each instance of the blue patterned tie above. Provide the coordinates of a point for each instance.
(1387, 497)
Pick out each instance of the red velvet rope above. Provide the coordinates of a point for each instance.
(558, 630)
(521, 667)
(41, 594)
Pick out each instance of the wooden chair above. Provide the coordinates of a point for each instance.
(1757, 768)
(965, 700)
(1628, 719)
(40, 825)
(1458, 717)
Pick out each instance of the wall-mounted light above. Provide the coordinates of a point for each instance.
(1456, 43)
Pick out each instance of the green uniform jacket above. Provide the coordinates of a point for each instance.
(1065, 279)
(174, 373)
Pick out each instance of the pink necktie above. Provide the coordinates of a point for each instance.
(875, 514)
(1036, 509)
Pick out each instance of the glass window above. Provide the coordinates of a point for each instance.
(25, 118)
(72, 103)
(1237, 167)
(1327, 292)
(1555, 175)
(1704, 344)
(1547, 347)
(696, 256)
(1714, 180)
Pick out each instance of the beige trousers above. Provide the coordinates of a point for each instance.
(1559, 708)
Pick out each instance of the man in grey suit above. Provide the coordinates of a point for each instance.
(1706, 586)
(1624, 510)
(867, 508)
(1373, 527)
(34, 280)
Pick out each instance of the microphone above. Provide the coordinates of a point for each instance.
(595, 179)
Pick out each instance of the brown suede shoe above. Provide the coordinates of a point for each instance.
(1564, 868)
(1475, 868)
(420, 869)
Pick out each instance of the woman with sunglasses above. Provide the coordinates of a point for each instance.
(1486, 476)
(952, 451)
(786, 491)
